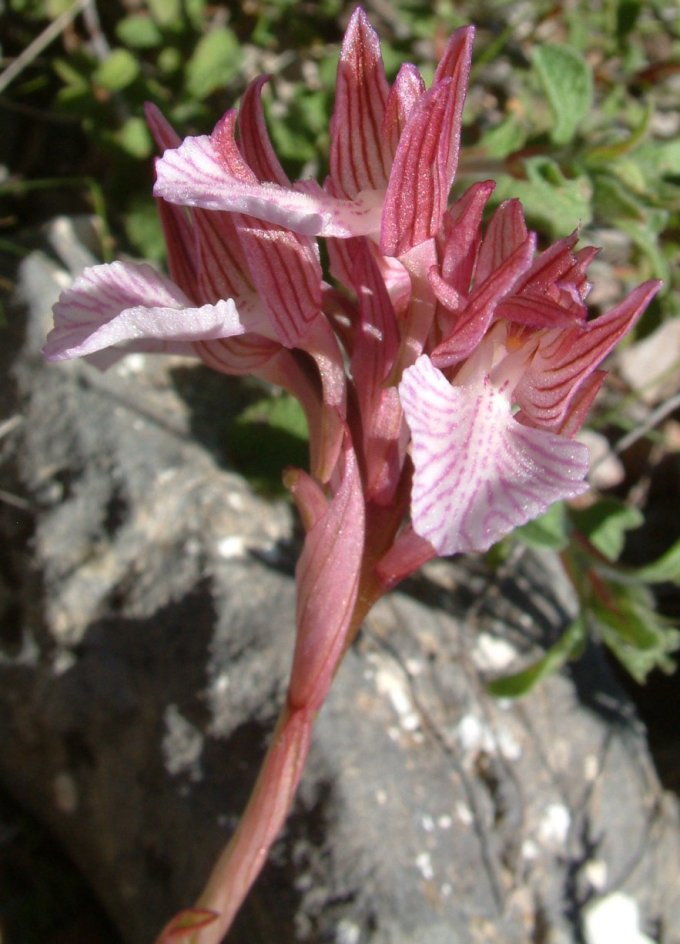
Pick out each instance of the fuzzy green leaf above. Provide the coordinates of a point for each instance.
(664, 570)
(215, 61)
(139, 32)
(117, 71)
(549, 530)
(605, 524)
(568, 85)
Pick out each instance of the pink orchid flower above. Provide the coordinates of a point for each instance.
(444, 374)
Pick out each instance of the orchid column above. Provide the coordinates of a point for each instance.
(444, 365)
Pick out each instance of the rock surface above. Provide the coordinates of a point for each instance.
(147, 631)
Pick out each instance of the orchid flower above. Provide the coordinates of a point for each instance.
(444, 365)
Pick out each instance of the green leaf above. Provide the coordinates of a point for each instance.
(139, 32)
(513, 686)
(614, 200)
(166, 12)
(558, 203)
(605, 524)
(627, 13)
(506, 138)
(550, 530)
(267, 436)
(215, 61)
(664, 570)
(117, 71)
(638, 636)
(143, 228)
(568, 85)
(135, 139)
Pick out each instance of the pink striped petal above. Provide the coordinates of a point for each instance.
(408, 88)
(567, 356)
(427, 157)
(328, 573)
(129, 302)
(360, 156)
(463, 226)
(287, 274)
(505, 232)
(256, 145)
(195, 174)
(474, 320)
(163, 133)
(478, 472)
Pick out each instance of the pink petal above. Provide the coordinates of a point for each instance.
(120, 302)
(245, 354)
(195, 174)
(328, 574)
(463, 225)
(505, 232)
(163, 133)
(222, 270)
(408, 88)
(287, 274)
(256, 145)
(376, 346)
(479, 473)
(426, 159)
(474, 320)
(360, 156)
(567, 356)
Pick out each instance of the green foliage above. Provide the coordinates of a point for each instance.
(616, 605)
(568, 84)
(267, 436)
(215, 61)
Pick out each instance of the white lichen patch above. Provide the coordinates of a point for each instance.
(475, 736)
(392, 684)
(553, 827)
(182, 745)
(232, 547)
(614, 919)
(347, 932)
(424, 865)
(492, 653)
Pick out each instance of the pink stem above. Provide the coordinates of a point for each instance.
(244, 856)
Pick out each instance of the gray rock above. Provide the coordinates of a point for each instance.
(141, 675)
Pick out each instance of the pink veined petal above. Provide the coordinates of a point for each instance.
(163, 133)
(535, 310)
(328, 572)
(505, 232)
(376, 346)
(287, 274)
(222, 271)
(360, 155)
(567, 356)
(408, 88)
(474, 320)
(245, 354)
(124, 302)
(256, 145)
(479, 473)
(427, 157)
(463, 226)
(195, 174)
